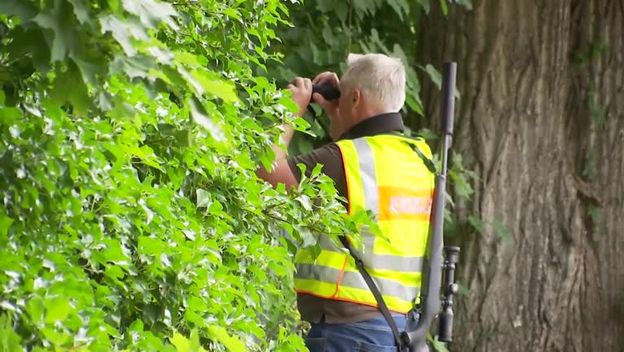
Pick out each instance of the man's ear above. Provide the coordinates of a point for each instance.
(357, 97)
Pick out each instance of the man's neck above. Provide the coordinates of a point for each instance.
(370, 111)
(367, 114)
(385, 122)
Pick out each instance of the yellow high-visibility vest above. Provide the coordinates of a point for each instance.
(386, 176)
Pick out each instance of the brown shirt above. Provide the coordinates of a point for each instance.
(313, 308)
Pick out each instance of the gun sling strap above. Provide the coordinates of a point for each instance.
(375, 291)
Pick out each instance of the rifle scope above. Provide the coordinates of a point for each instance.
(450, 288)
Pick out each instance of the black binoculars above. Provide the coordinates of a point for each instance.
(328, 92)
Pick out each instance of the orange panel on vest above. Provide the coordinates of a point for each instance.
(397, 203)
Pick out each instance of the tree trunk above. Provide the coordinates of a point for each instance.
(541, 121)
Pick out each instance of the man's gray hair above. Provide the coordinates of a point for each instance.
(380, 77)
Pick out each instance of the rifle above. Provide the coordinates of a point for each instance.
(430, 289)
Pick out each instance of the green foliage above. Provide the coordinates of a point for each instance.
(131, 216)
(497, 226)
(465, 3)
(596, 110)
(596, 216)
(461, 177)
(502, 231)
(9, 340)
(437, 345)
(591, 51)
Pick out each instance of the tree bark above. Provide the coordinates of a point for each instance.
(541, 121)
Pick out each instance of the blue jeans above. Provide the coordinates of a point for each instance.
(373, 335)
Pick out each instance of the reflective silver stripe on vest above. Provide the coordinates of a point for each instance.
(355, 280)
(394, 263)
(367, 172)
(377, 261)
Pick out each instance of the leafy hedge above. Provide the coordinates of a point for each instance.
(131, 217)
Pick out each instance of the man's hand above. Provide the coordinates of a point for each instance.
(329, 79)
(301, 89)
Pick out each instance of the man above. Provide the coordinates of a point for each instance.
(378, 170)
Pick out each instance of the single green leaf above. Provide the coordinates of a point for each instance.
(145, 154)
(466, 3)
(215, 207)
(221, 335)
(125, 32)
(426, 5)
(55, 337)
(151, 245)
(151, 12)
(434, 75)
(400, 7)
(5, 220)
(113, 252)
(81, 10)
(9, 339)
(502, 231)
(437, 345)
(68, 87)
(57, 309)
(10, 114)
(444, 7)
(36, 309)
(135, 66)
(203, 198)
(205, 82)
(463, 291)
(137, 325)
(476, 223)
(64, 36)
(181, 343)
(114, 272)
(22, 9)
(301, 124)
(305, 202)
(188, 59)
(27, 42)
(308, 239)
(90, 67)
(461, 183)
(594, 212)
(199, 116)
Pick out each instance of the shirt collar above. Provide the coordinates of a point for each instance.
(378, 124)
